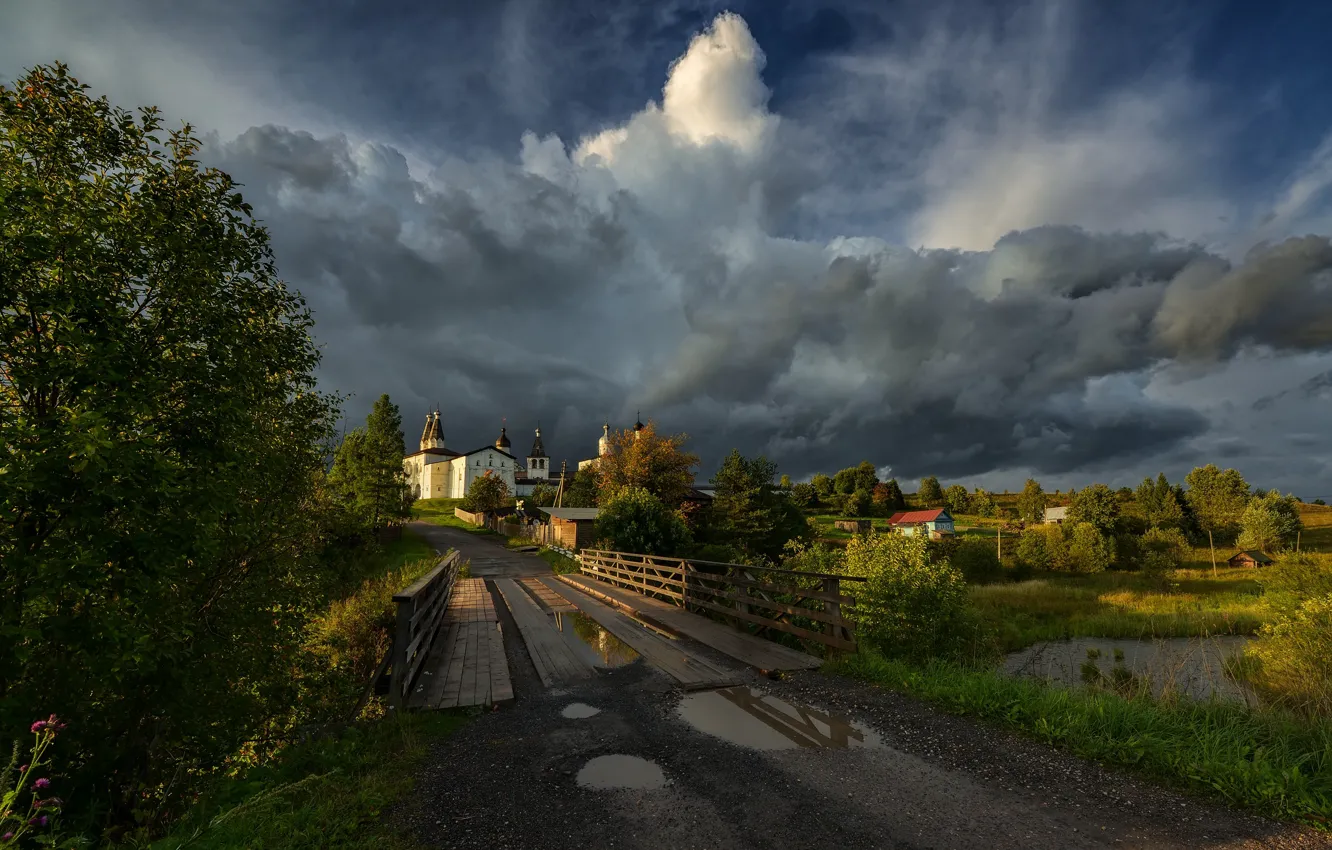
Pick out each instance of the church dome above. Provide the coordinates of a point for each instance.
(503, 442)
(638, 425)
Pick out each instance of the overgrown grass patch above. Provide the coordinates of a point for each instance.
(331, 792)
(559, 564)
(1121, 605)
(1270, 762)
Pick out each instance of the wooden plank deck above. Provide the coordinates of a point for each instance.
(673, 659)
(467, 666)
(754, 651)
(555, 661)
(549, 599)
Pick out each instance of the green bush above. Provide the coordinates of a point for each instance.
(1089, 550)
(978, 559)
(912, 605)
(1295, 658)
(856, 504)
(803, 495)
(637, 521)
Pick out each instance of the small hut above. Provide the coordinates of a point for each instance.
(573, 528)
(855, 526)
(1249, 558)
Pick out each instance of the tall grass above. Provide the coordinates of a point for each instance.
(327, 793)
(1268, 761)
(1120, 605)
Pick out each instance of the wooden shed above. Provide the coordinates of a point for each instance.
(1249, 558)
(855, 526)
(573, 528)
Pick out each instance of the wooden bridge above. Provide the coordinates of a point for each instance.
(448, 648)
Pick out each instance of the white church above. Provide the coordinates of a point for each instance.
(436, 472)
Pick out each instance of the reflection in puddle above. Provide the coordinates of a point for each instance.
(617, 771)
(590, 640)
(579, 710)
(753, 719)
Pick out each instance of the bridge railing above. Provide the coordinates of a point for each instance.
(421, 610)
(807, 605)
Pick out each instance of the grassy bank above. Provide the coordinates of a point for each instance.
(1266, 761)
(325, 793)
(440, 512)
(1121, 605)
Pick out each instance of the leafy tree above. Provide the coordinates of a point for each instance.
(1089, 550)
(930, 495)
(889, 496)
(867, 477)
(635, 520)
(1270, 522)
(1031, 502)
(162, 447)
(748, 514)
(1097, 505)
(857, 504)
(823, 486)
(1043, 547)
(1218, 499)
(542, 496)
(486, 494)
(977, 558)
(802, 495)
(912, 605)
(645, 459)
(1319, 502)
(1163, 550)
(957, 499)
(584, 491)
(844, 481)
(982, 504)
(785, 482)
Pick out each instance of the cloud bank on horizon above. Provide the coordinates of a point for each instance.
(1083, 299)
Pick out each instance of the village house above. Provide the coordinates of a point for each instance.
(936, 522)
(1249, 558)
(1056, 516)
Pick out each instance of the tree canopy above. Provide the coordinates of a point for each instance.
(634, 520)
(658, 464)
(749, 514)
(930, 494)
(1097, 505)
(1218, 498)
(1031, 502)
(162, 445)
(367, 471)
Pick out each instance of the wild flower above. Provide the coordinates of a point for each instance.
(17, 822)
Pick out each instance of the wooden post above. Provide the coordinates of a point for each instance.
(401, 636)
(684, 585)
(831, 585)
(1297, 543)
(1212, 546)
(1001, 544)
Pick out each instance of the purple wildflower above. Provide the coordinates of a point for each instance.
(7, 836)
(23, 769)
(42, 783)
(42, 820)
(39, 726)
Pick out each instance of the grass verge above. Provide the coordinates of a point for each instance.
(324, 793)
(559, 564)
(440, 512)
(1266, 761)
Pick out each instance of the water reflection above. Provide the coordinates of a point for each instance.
(598, 646)
(579, 711)
(753, 719)
(618, 771)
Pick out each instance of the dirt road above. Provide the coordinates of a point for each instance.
(731, 773)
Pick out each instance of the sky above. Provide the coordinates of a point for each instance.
(1079, 241)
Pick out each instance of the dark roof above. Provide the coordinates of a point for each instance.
(1252, 553)
(491, 448)
(538, 450)
(572, 514)
(445, 452)
(908, 517)
(697, 495)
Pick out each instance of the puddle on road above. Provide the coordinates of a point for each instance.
(589, 639)
(579, 711)
(757, 720)
(606, 772)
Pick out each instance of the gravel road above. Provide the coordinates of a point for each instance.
(509, 780)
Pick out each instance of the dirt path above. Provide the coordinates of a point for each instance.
(487, 554)
(510, 780)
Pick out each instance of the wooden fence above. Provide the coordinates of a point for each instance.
(465, 516)
(420, 612)
(804, 604)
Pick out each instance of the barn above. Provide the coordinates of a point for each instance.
(936, 521)
(573, 528)
(1249, 558)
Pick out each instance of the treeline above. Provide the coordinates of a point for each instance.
(169, 525)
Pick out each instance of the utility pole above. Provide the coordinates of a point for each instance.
(1001, 544)
(559, 491)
